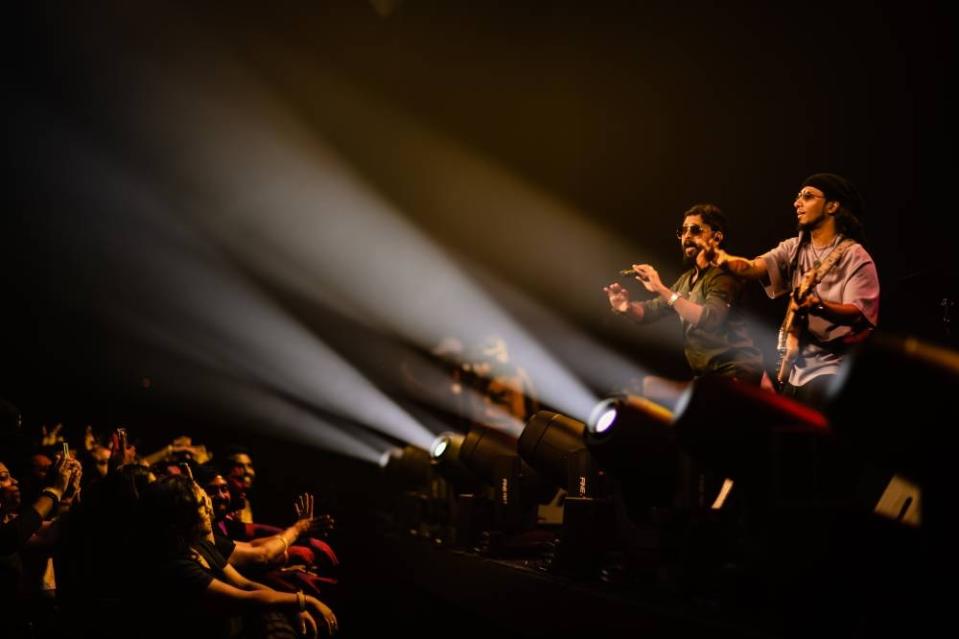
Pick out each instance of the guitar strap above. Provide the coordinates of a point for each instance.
(824, 267)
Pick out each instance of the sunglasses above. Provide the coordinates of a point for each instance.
(806, 196)
(693, 229)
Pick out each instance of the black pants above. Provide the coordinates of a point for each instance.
(812, 393)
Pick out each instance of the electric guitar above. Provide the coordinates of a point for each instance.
(794, 323)
(787, 345)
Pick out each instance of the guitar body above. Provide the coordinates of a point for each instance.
(788, 345)
(795, 320)
(791, 330)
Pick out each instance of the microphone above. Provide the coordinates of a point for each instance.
(628, 272)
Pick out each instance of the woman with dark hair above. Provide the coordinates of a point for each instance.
(194, 586)
(20, 523)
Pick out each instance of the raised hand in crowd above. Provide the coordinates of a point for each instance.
(180, 448)
(121, 453)
(89, 439)
(64, 477)
(72, 492)
(308, 521)
(184, 445)
(51, 436)
(304, 512)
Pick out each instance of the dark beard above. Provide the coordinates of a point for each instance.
(689, 261)
(808, 226)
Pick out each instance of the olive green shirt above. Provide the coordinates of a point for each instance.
(718, 344)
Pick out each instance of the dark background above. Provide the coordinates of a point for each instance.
(625, 111)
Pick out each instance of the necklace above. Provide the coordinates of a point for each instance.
(818, 253)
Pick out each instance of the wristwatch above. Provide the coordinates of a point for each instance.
(672, 299)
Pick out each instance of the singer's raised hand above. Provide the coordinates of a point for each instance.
(618, 297)
(648, 277)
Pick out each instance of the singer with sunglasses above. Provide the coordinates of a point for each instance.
(704, 298)
(831, 279)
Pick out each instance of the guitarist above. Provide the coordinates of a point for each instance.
(834, 301)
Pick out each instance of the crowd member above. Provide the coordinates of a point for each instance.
(194, 586)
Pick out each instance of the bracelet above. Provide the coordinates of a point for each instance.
(286, 544)
(52, 494)
(672, 299)
(301, 600)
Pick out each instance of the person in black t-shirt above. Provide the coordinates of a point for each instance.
(194, 588)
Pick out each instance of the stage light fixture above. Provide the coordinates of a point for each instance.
(553, 445)
(631, 436)
(445, 452)
(409, 466)
(492, 456)
(440, 446)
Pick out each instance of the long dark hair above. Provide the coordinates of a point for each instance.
(170, 515)
(848, 225)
